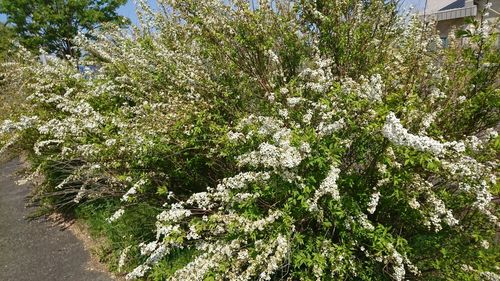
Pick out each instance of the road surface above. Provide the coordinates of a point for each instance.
(36, 250)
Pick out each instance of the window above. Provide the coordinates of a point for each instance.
(444, 41)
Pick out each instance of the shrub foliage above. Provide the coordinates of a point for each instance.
(280, 140)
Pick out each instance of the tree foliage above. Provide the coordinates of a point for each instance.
(7, 38)
(51, 25)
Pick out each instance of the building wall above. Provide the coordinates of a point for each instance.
(446, 26)
(435, 5)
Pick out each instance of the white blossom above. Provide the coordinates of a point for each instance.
(485, 244)
(372, 205)
(395, 132)
(122, 258)
(116, 215)
(327, 187)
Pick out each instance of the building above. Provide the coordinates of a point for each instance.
(452, 13)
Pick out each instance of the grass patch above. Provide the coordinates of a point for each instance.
(135, 226)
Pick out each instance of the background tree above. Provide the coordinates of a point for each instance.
(7, 34)
(7, 37)
(52, 24)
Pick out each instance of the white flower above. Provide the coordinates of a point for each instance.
(396, 133)
(327, 187)
(116, 215)
(307, 117)
(80, 194)
(466, 267)
(293, 101)
(436, 93)
(414, 203)
(122, 258)
(271, 97)
(233, 136)
(370, 89)
(372, 205)
(305, 148)
(41, 144)
(138, 272)
(274, 58)
(133, 190)
(326, 129)
(365, 222)
(192, 234)
(175, 214)
(110, 142)
(148, 248)
(283, 113)
(268, 155)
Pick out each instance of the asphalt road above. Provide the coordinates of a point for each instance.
(36, 250)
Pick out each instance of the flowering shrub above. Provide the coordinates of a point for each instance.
(286, 140)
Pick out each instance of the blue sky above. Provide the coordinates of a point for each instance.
(418, 4)
(128, 9)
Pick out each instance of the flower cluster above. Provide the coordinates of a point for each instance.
(395, 132)
(313, 140)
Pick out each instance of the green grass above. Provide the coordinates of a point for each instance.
(135, 226)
